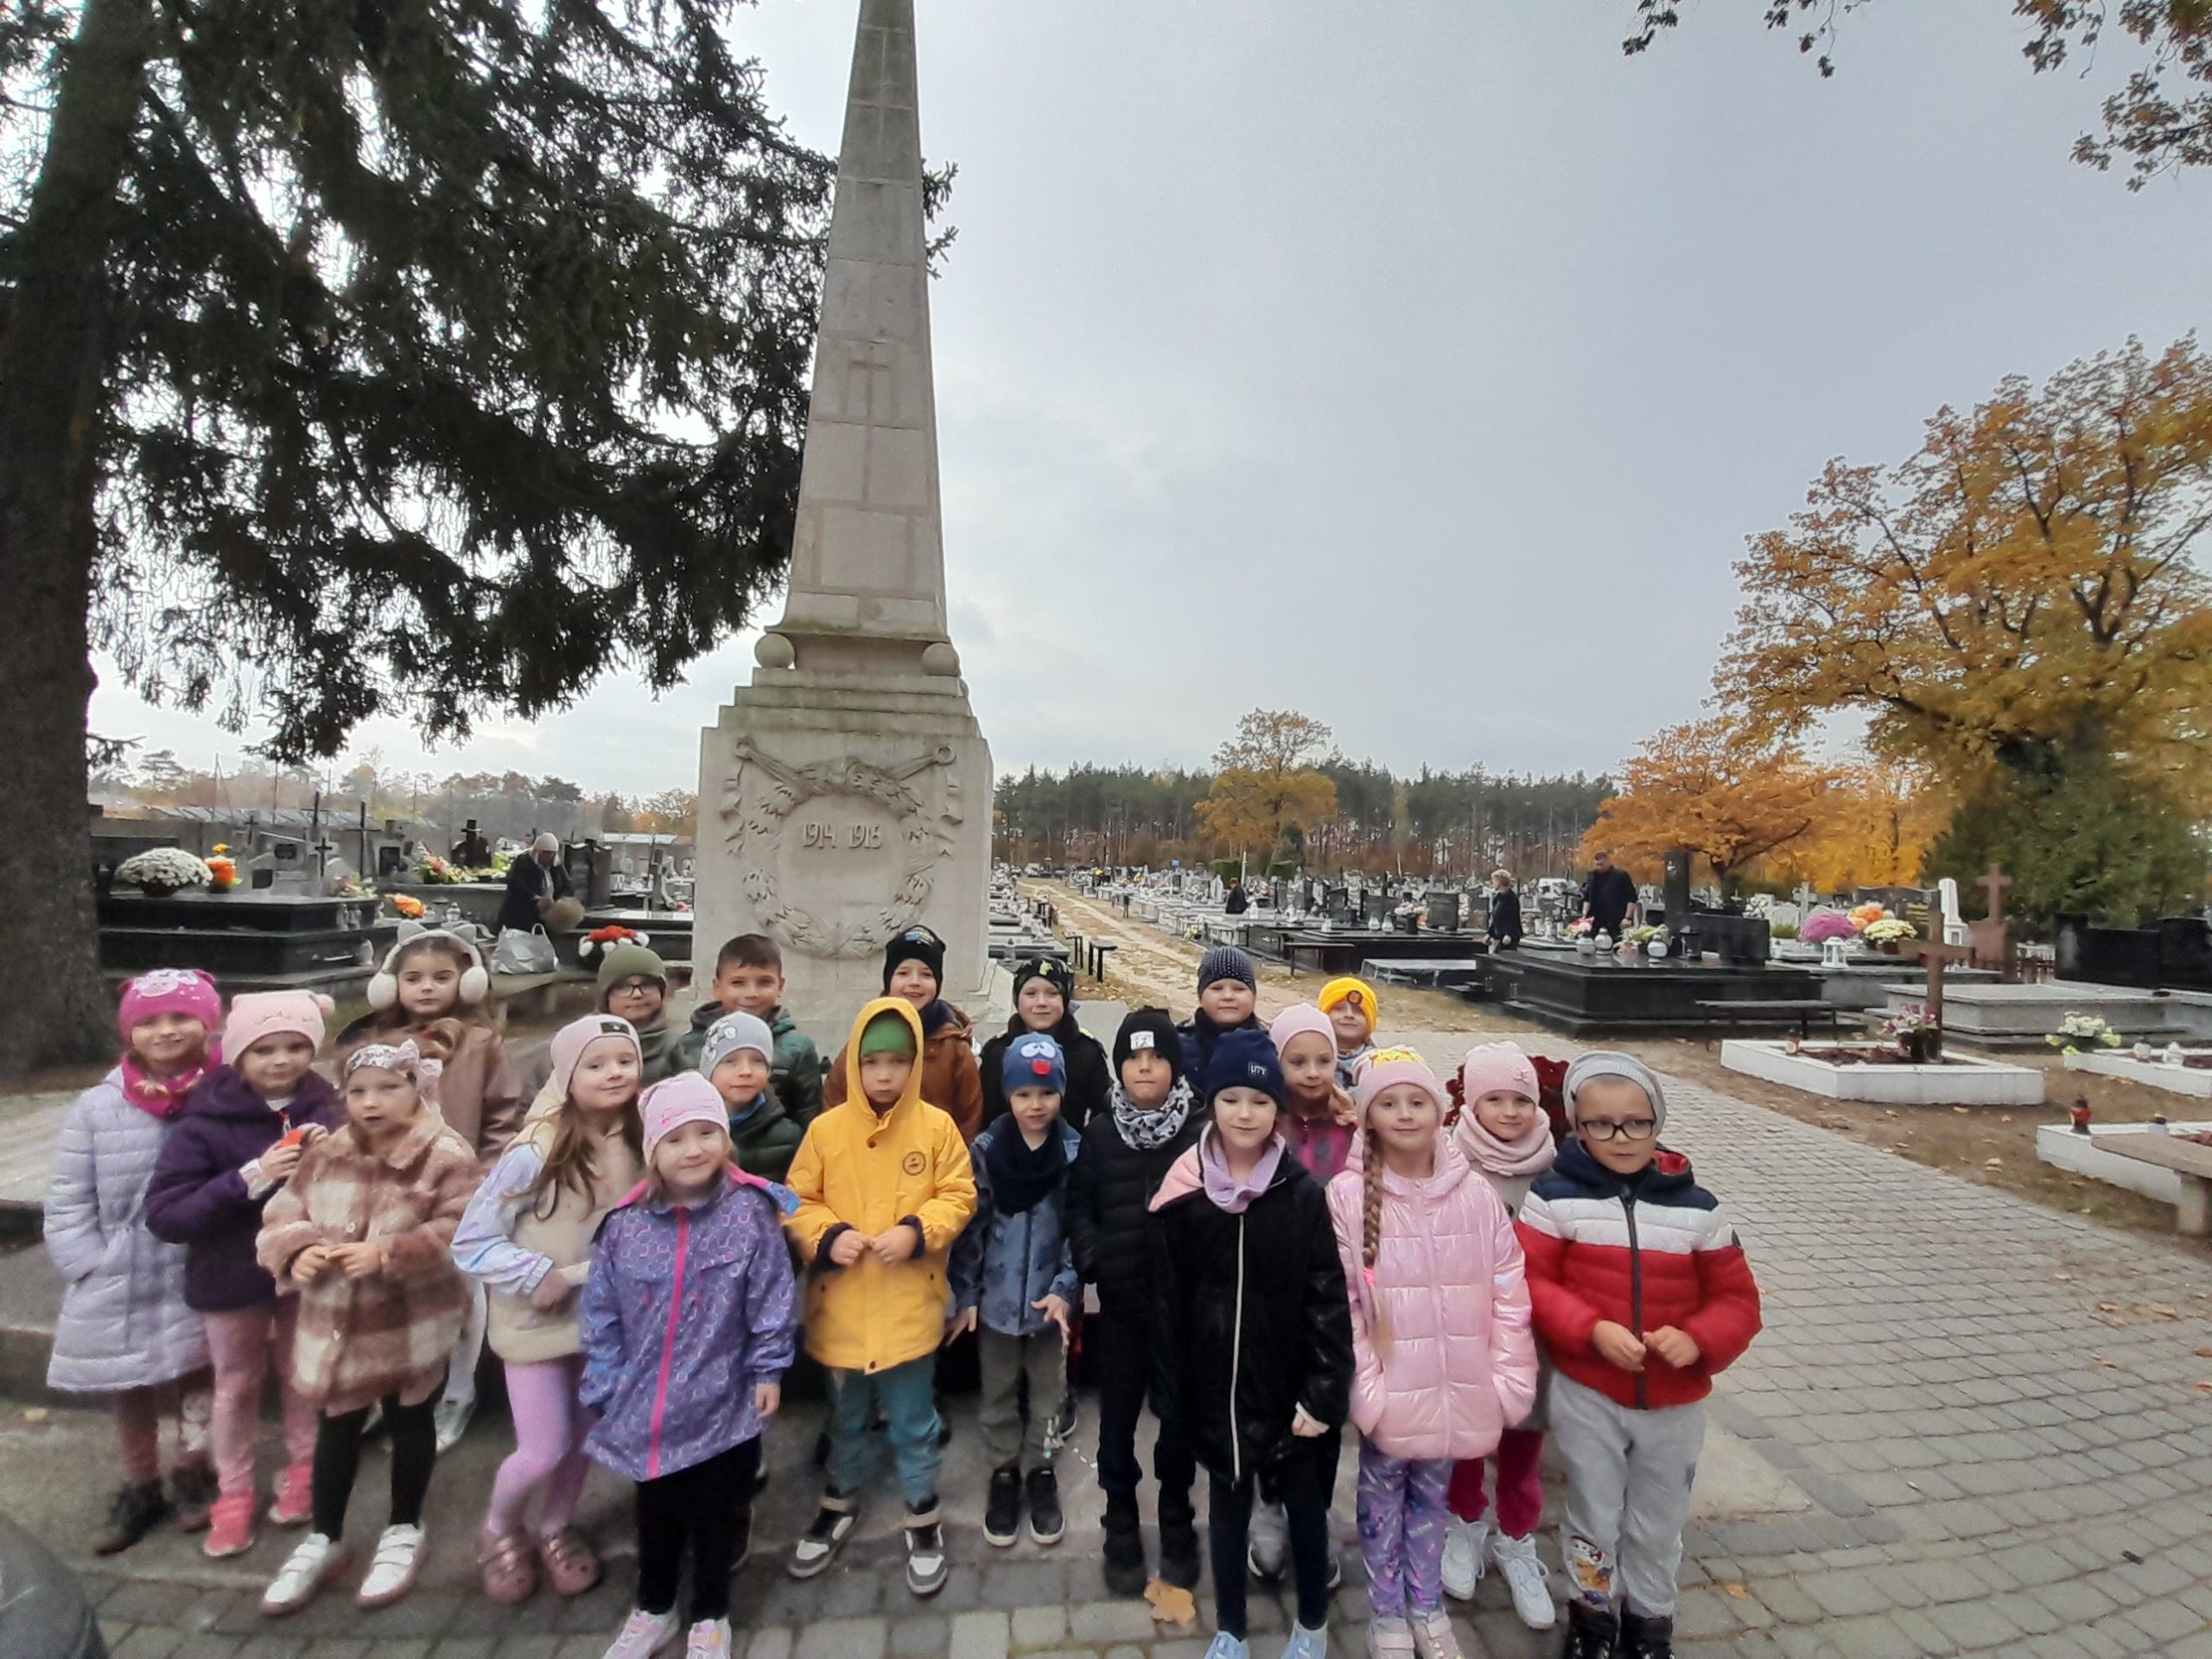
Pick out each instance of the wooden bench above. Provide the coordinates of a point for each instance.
(2190, 1161)
(1801, 1008)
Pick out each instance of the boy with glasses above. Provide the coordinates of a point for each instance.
(1641, 1294)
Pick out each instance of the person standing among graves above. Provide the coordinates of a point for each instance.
(535, 884)
(914, 970)
(1228, 991)
(432, 977)
(473, 852)
(1503, 1132)
(1504, 931)
(1608, 896)
(1641, 1294)
(526, 1238)
(1235, 902)
(1443, 1360)
(1043, 1000)
(126, 1327)
(1014, 1284)
(239, 1137)
(362, 1235)
(1251, 1335)
(1153, 1117)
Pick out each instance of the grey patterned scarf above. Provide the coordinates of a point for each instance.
(1145, 1129)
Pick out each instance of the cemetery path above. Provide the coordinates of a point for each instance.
(1971, 1425)
(1150, 965)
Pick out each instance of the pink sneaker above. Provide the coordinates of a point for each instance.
(230, 1525)
(507, 1569)
(294, 1502)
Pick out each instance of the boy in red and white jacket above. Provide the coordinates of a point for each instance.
(1641, 1294)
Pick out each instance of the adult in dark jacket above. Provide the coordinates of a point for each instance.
(1252, 1332)
(1152, 1117)
(1236, 901)
(1608, 895)
(1505, 930)
(534, 882)
(1229, 992)
(1044, 1001)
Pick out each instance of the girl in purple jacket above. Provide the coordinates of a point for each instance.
(237, 1141)
(689, 1320)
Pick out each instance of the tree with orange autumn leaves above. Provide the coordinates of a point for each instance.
(1710, 785)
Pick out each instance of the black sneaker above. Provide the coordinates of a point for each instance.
(1125, 1564)
(1002, 1508)
(926, 1567)
(192, 1490)
(1045, 1524)
(137, 1511)
(1643, 1637)
(824, 1537)
(1179, 1552)
(1592, 1632)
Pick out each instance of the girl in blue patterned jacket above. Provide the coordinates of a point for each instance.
(689, 1323)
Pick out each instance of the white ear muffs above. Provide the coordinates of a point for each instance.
(383, 988)
(476, 979)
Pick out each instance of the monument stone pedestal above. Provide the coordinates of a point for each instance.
(845, 794)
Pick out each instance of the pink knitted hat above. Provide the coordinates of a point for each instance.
(687, 1097)
(170, 990)
(1498, 1069)
(570, 1042)
(1296, 1020)
(256, 1014)
(1391, 1066)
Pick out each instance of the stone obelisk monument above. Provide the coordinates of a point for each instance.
(845, 794)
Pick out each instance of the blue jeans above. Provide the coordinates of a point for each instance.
(907, 1397)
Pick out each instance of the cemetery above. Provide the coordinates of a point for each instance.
(329, 403)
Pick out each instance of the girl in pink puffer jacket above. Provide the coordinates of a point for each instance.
(1445, 1361)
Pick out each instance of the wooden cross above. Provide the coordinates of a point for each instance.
(1936, 956)
(1995, 882)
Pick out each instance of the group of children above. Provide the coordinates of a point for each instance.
(1287, 1229)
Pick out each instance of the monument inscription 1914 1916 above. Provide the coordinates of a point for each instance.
(845, 793)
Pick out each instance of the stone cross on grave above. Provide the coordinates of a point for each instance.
(1991, 939)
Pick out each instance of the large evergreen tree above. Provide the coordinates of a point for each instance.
(372, 355)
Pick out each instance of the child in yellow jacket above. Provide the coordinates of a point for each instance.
(885, 1185)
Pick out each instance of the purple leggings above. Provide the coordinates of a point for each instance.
(549, 1430)
(1401, 1526)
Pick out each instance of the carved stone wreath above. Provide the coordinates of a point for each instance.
(923, 833)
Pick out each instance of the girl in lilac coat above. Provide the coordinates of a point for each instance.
(689, 1321)
(1444, 1360)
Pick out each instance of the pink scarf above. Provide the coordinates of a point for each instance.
(162, 1097)
(1531, 1155)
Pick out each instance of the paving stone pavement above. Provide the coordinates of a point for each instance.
(1984, 1425)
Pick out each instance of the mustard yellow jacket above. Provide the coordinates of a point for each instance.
(870, 1172)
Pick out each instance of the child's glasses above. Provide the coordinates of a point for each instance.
(1606, 1128)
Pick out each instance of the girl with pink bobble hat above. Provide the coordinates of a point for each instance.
(1504, 1136)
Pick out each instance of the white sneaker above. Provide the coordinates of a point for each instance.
(1225, 1646)
(644, 1633)
(709, 1639)
(1268, 1549)
(451, 1421)
(306, 1570)
(1389, 1638)
(1306, 1644)
(1463, 1557)
(1528, 1578)
(1432, 1635)
(392, 1574)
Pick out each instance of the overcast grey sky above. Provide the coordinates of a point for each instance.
(1421, 367)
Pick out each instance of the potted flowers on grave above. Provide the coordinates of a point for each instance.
(438, 873)
(160, 871)
(1825, 925)
(1886, 933)
(1918, 1037)
(1584, 932)
(408, 905)
(2079, 1031)
(222, 869)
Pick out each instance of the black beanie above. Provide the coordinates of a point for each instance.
(915, 945)
(1051, 970)
(1152, 1028)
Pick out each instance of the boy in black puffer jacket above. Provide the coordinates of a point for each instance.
(1152, 1119)
(1251, 1338)
(1043, 1000)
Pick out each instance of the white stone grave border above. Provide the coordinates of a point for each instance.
(1966, 1081)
